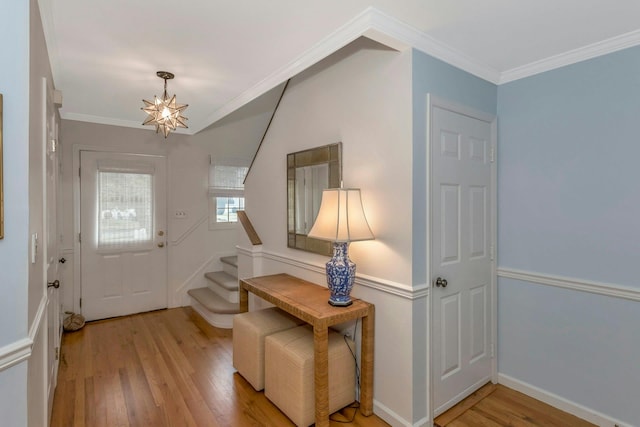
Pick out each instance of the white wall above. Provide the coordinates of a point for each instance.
(362, 97)
(193, 248)
(41, 86)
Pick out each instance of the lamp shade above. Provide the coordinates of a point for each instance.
(341, 217)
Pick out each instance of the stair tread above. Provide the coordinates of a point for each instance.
(213, 302)
(231, 260)
(224, 279)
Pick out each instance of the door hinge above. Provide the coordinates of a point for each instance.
(493, 154)
(492, 252)
(81, 303)
(79, 237)
(57, 352)
(493, 350)
(79, 172)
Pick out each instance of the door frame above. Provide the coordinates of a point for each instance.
(432, 102)
(77, 276)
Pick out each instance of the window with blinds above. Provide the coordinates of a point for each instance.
(226, 191)
(125, 209)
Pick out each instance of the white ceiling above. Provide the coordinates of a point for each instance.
(224, 53)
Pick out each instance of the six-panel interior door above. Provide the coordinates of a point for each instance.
(123, 239)
(461, 256)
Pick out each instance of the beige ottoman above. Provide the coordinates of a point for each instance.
(249, 331)
(289, 379)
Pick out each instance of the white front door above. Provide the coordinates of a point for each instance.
(462, 242)
(122, 233)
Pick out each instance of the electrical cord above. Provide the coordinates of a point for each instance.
(356, 404)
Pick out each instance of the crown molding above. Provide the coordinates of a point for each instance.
(375, 25)
(46, 16)
(574, 56)
(370, 23)
(388, 30)
(330, 44)
(115, 122)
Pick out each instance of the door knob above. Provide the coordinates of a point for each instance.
(55, 284)
(440, 282)
(161, 245)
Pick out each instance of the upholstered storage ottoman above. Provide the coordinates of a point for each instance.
(249, 331)
(289, 373)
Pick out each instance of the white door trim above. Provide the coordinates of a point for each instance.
(77, 148)
(434, 101)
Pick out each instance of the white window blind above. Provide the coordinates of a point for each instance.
(125, 209)
(227, 180)
(226, 190)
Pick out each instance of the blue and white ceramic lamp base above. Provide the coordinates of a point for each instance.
(341, 272)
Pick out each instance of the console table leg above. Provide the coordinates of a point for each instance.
(243, 300)
(321, 374)
(366, 355)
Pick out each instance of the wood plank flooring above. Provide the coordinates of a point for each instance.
(163, 368)
(171, 368)
(497, 405)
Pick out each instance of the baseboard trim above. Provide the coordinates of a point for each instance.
(19, 351)
(561, 403)
(394, 419)
(599, 288)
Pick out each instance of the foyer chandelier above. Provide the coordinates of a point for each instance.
(164, 113)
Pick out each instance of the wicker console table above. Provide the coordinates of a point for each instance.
(308, 302)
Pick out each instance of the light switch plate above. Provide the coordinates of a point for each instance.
(34, 247)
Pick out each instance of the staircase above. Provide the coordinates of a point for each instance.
(218, 301)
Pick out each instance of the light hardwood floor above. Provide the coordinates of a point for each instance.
(164, 368)
(170, 368)
(497, 405)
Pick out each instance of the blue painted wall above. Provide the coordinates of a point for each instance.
(569, 186)
(14, 248)
(569, 205)
(432, 76)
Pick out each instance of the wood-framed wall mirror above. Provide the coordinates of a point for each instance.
(308, 173)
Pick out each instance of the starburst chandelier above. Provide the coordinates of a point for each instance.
(164, 113)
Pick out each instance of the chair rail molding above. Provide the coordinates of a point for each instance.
(19, 351)
(383, 285)
(14, 353)
(599, 288)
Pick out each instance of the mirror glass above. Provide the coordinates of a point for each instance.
(308, 173)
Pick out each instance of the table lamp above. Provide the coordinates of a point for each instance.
(341, 220)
